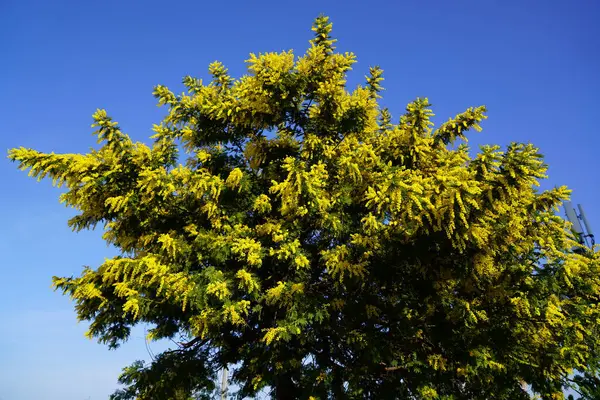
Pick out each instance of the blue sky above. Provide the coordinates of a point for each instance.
(535, 64)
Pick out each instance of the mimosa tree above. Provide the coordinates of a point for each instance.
(325, 248)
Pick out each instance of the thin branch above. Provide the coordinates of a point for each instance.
(302, 115)
(390, 369)
(187, 345)
(148, 349)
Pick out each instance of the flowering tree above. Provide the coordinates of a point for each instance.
(324, 249)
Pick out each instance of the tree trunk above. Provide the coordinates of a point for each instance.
(224, 382)
(285, 388)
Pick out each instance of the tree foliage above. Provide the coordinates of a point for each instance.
(325, 249)
(586, 384)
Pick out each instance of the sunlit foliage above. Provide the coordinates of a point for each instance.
(326, 248)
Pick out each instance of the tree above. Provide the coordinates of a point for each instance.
(323, 249)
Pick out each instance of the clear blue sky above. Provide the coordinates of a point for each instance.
(535, 64)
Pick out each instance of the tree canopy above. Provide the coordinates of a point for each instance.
(285, 224)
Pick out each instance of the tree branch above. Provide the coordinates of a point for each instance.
(390, 369)
(187, 345)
